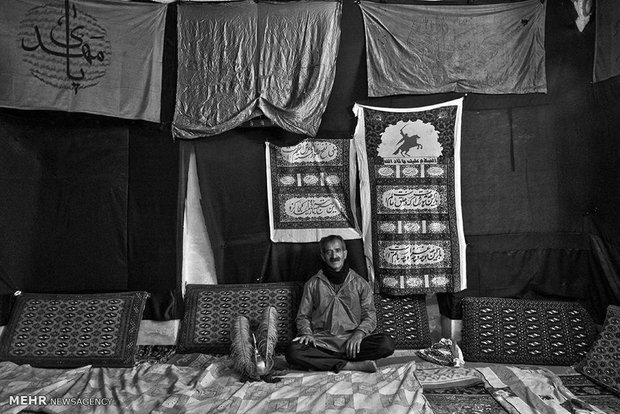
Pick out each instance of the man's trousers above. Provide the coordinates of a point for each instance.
(313, 358)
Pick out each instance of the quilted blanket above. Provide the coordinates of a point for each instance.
(214, 388)
(532, 390)
(202, 383)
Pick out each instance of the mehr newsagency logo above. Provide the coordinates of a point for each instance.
(44, 400)
(63, 46)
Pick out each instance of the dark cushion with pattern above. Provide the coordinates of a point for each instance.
(602, 363)
(72, 330)
(405, 319)
(521, 331)
(211, 309)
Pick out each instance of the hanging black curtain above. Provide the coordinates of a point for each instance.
(65, 184)
(153, 179)
(602, 218)
(88, 205)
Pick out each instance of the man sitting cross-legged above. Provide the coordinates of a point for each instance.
(336, 318)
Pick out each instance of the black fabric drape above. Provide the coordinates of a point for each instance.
(83, 210)
(152, 220)
(169, 68)
(65, 184)
(605, 290)
(20, 183)
(72, 204)
(88, 205)
(602, 221)
(531, 265)
(564, 187)
(21, 174)
(233, 199)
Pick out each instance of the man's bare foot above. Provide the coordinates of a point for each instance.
(364, 366)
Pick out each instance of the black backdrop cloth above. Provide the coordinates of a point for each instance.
(88, 205)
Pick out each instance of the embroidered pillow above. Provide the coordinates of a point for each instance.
(602, 363)
(520, 331)
(210, 311)
(405, 319)
(72, 330)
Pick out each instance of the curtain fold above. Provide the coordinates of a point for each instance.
(197, 257)
(216, 77)
(153, 179)
(240, 60)
(605, 290)
(297, 62)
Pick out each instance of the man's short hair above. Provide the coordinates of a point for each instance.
(323, 242)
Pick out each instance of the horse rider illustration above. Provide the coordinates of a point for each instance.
(408, 142)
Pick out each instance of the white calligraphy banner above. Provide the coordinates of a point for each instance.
(409, 169)
(102, 57)
(309, 189)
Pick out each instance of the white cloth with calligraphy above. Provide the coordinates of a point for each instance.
(99, 57)
(310, 190)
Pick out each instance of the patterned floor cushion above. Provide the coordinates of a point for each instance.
(602, 363)
(405, 319)
(520, 331)
(72, 330)
(211, 309)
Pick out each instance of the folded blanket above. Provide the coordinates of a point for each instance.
(532, 390)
